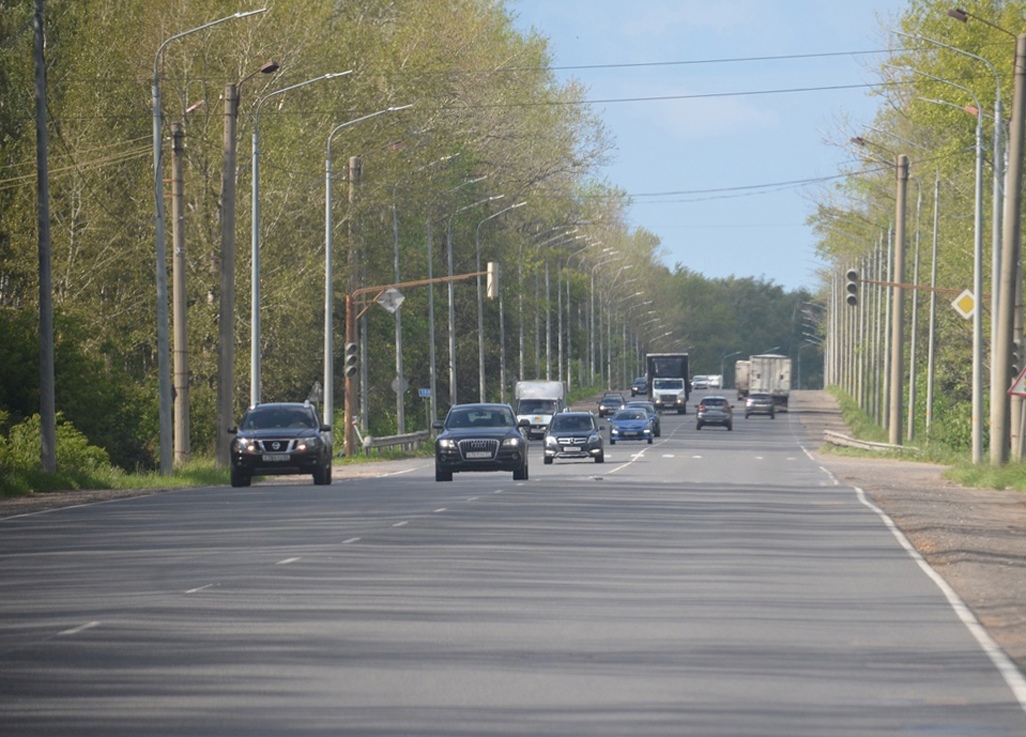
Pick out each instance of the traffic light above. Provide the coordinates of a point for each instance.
(1016, 357)
(851, 287)
(352, 358)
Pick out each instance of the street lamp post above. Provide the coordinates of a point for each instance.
(452, 304)
(163, 319)
(723, 358)
(480, 300)
(254, 364)
(329, 292)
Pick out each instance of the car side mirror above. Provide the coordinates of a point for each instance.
(325, 428)
(524, 423)
(233, 431)
(438, 425)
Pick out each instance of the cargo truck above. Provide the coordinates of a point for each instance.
(669, 384)
(536, 402)
(741, 378)
(770, 373)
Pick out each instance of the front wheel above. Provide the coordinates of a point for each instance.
(322, 476)
(521, 474)
(600, 458)
(649, 439)
(547, 461)
(240, 477)
(442, 475)
(612, 442)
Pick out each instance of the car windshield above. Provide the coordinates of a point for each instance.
(714, 401)
(631, 414)
(612, 398)
(571, 423)
(668, 383)
(278, 418)
(532, 406)
(479, 417)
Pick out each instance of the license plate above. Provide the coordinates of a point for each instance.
(275, 457)
(572, 449)
(479, 454)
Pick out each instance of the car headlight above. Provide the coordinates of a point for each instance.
(511, 442)
(446, 444)
(312, 443)
(550, 441)
(614, 431)
(594, 439)
(244, 445)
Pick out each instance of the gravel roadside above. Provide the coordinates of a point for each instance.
(974, 538)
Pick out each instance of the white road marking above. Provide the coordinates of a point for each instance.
(81, 628)
(286, 561)
(440, 510)
(401, 524)
(200, 588)
(351, 540)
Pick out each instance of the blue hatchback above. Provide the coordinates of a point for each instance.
(630, 424)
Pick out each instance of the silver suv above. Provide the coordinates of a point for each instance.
(759, 404)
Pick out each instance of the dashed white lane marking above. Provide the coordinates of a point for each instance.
(80, 628)
(286, 561)
(351, 540)
(401, 524)
(200, 588)
(440, 510)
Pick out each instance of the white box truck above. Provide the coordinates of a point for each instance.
(770, 373)
(536, 402)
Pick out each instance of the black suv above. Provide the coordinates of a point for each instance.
(574, 435)
(481, 437)
(280, 438)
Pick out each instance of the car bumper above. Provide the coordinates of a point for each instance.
(266, 464)
(455, 463)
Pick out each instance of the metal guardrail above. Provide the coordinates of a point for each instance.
(408, 441)
(836, 438)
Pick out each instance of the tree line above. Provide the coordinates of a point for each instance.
(487, 126)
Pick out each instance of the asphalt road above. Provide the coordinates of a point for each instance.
(713, 583)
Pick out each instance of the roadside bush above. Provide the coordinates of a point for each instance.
(79, 464)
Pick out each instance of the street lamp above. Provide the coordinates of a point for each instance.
(254, 364)
(329, 292)
(724, 357)
(452, 305)
(977, 368)
(480, 301)
(163, 331)
(226, 297)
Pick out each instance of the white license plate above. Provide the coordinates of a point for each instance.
(275, 457)
(572, 449)
(479, 454)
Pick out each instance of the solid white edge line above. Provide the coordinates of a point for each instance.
(1008, 670)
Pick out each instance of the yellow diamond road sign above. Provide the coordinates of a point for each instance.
(965, 304)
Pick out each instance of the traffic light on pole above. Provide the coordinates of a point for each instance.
(851, 288)
(1016, 357)
(352, 358)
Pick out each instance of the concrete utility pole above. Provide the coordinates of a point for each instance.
(898, 303)
(47, 400)
(178, 299)
(352, 380)
(1010, 259)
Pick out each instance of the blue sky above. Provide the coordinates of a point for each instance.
(714, 141)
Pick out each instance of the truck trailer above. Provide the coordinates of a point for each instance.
(770, 373)
(669, 383)
(741, 378)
